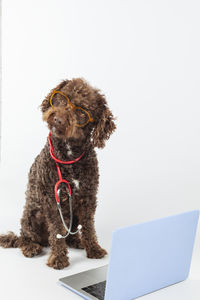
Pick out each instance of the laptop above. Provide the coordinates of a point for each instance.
(143, 258)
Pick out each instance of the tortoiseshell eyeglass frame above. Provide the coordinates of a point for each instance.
(90, 119)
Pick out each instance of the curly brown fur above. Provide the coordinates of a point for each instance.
(41, 221)
(9, 241)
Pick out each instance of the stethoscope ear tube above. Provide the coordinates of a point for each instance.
(59, 236)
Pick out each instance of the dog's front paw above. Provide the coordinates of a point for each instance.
(96, 252)
(31, 249)
(58, 261)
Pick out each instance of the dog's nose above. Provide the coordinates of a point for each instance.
(58, 121)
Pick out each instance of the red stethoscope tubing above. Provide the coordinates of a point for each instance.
(61, 180)
(58, 160)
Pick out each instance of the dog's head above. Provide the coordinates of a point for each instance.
(76, 110)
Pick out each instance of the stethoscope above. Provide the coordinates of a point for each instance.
(68, 188)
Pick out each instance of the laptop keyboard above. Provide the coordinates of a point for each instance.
(97, 290)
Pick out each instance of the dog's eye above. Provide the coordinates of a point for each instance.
(59, 100)
(52, 115)
(81, 116)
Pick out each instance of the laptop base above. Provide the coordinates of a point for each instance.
(83, 281)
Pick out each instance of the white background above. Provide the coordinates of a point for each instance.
(144, 56)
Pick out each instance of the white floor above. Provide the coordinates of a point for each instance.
(30, 278)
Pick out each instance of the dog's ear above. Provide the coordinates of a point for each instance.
(46, 102)
(104, 124)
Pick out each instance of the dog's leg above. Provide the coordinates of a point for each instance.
(58, 258)
(29, 241)
(89, 239)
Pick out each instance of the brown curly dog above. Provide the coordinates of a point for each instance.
(79, 120)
